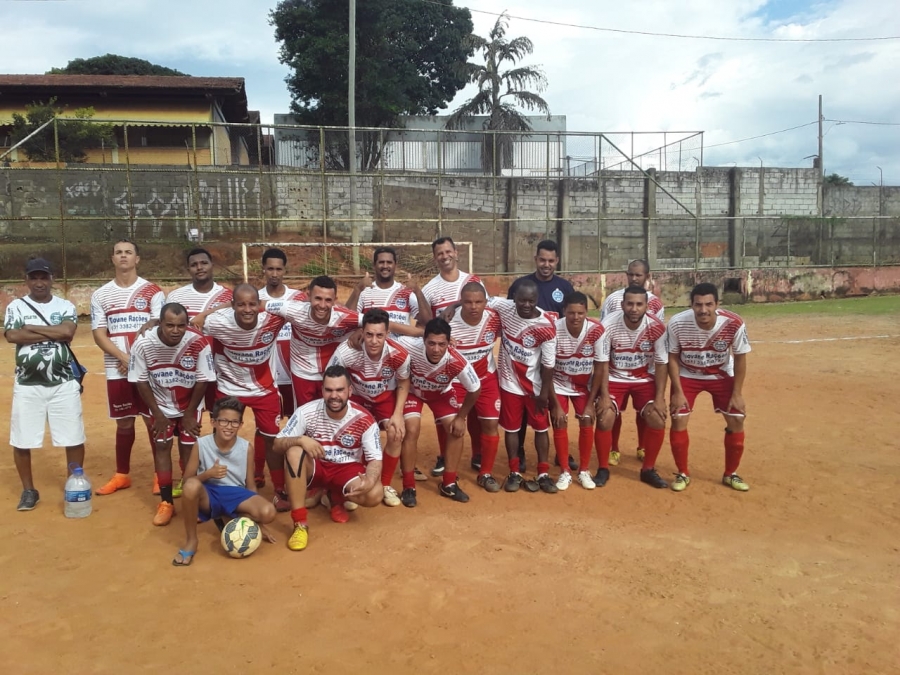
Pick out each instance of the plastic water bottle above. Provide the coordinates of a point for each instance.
(78, 494)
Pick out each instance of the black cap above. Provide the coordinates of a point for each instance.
(38, 265)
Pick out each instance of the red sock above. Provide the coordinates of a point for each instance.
(680, 443)
(388, 467)
(474, 426)
(336, 497)
(277, 479)
(489, 446)
(544, 467)
(259, 454)
(409, 480)
(585, 445)
(514, 464)
(448, 478)
(561, 443)
(442, 438)
(641, 428)
(299, 515)
(653, 439)
(124, 443)
(616, 432)
(603, 441)
(734, 449)
(165, 479)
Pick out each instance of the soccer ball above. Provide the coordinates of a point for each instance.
(241, 537)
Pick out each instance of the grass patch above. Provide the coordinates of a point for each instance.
(872, 306)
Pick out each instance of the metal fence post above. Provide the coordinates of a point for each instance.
(262, 218)
(324, 197)
(440, 188)
(62, 207)
(132, 227)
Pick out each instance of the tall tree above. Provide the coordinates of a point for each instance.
(75, 137)
(410, 60)
(837, 180)
(112, 64)
(500, 92)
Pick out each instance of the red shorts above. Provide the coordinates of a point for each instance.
(641, 394)
(512, 407)
(174, 428)
(305, 390)
(266, 411)
(487, 407)
(331, 476)
(720, 390)
(382, 410)
(287, 399)
(578, 403)
(443, 407)
(124, 399)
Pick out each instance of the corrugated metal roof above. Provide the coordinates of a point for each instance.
(122, 82)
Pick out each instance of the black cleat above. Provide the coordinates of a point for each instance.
(531, 485)
(408, 497)
(513, 482)
(438, 469)
(573, 465)
(653, 479)
(476, 463)
(454, 492)
(546, 484)
(601, 477)
(489, 483)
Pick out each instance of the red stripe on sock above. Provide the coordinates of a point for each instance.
(299, 515)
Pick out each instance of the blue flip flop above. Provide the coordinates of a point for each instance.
(187, 557)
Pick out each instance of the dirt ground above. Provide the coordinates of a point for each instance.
(799, 575)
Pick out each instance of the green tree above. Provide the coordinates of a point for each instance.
(500, 92)
(113, 64)
(837, 179)
(410, 60)
(75, 137)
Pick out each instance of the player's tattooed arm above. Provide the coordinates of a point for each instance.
(310, 445)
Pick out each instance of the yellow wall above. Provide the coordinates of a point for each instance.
(161, 110)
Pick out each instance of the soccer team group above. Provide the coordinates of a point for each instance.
(342, 374)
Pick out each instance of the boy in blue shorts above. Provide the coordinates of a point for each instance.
(218, 479)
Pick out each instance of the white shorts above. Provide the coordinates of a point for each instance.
(34, 406)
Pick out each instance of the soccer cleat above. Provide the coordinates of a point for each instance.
(735, 482)
(119, 481)
(476, 463)
(573, 465)
(164, 513)
(614, 457)
(601, 477)
(350, 506)
(339, 514)
(653, 479)
(640, 452)
(408, 498)
(438, 469)
(28, 500)
(280, 500)
(178, 490)
(155, 490)
(313, 497)
(390, 496)
(419, 476)
(454, 492)
(545, 483)
(513, 482)
(299, 538)
(488, 482)
(564, 481)
(585, 480)
(260, 480)
(682, 480)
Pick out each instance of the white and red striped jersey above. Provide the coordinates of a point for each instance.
(633, 354)
(353, 438)
(244, 359)
(707, 354)
(398, 301)
(575, 357)
(430, 381)
(313, 344)
(122, 311)
(441, 293)
(613, 304)
(476, 343)
(171, 371)
(283, 347)
(373, 380)
(525, 346)
(195, 302)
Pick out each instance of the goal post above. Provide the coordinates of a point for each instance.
(311, 259)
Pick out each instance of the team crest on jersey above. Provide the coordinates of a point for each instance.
(55, 318)
(587, 350)
(400, 303)
(387, 373)
(528, 341)
(348, 441)
(720, 346)
(338, 332)
(188, 362)
(140, 304)
(267, 337)
(557, 295)
(442, 379)
(645, 346)
(489, 336)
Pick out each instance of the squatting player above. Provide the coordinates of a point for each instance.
(708, 350)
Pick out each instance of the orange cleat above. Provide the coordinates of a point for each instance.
(339, 514)
(119, 481)
(164, 513)
(155, 485)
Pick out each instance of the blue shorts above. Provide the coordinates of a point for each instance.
(224, 500)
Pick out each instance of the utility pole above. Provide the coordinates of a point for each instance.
(351, 109)
(821, 163)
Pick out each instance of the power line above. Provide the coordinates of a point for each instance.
(877, 124)
(671, 35)
(753, 138)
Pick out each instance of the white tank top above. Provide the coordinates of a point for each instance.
(235, 460)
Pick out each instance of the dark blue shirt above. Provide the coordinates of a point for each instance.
(550, 293)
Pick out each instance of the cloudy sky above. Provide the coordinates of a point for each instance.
(601, 81)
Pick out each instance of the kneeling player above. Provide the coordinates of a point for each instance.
(219, 481)
(331, 444)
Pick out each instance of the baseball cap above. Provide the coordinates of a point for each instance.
(37, 265)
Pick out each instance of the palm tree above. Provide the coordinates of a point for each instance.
(499, 92)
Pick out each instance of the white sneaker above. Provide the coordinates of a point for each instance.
(564, 481)
(390, 496)
(586, 480)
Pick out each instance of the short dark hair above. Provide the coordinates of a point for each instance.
(376, 315)
(228, 403)
(175, 308)
(575, 298)
(336, 371)
(244, 287)
(437, 327)
(197, 251)
(548, 245)
(274, 253)
(442, 240)
(471, 286)
(525, 283)
(126, 240)
(705, 288)
(640, 261)
(635, 290)
(323, 282)
(384, 249)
